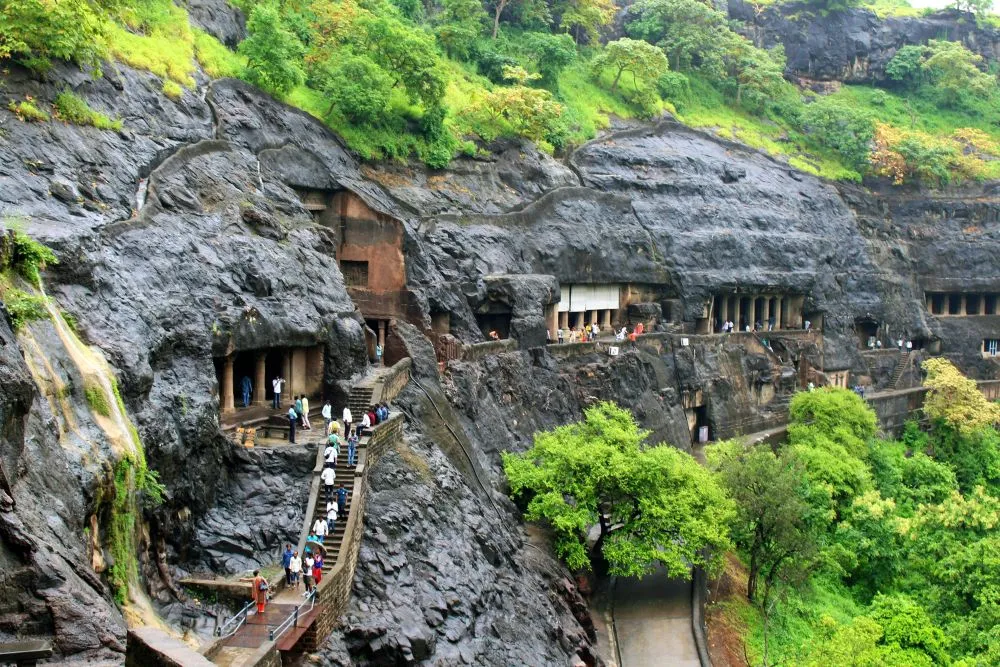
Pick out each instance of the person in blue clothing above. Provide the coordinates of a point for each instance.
(341, 498)
(286, 562)
(352, 448)
(293, 417)
(247, 386)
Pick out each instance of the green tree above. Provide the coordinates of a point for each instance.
(550, 54)
(585, 18)
(771, 525)
(759, 74)
(459, 24)
(357, 88)
(645, 62)
(907, 625)
(955, 71)
(905, 66)
(273, 53)
(846, 128)
(36, 30)
(839, 414)
(955, 399)
(978, 7)
(407, 54)
(653, 504)
(689, 31)
(516, 110)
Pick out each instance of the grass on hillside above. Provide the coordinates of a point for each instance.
(736, 627)
(706, 108)
(74, 109)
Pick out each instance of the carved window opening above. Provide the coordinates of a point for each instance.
(355, 273)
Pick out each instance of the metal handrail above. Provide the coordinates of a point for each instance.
(240, 616)
(293, 618)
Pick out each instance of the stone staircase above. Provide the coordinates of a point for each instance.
(360, 398)
(901, 365)
(333, 542)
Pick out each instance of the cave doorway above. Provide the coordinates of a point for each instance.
(867, 332)
(499, 322)
(744, 317)
(274, 366)
(955, 304)
(701, 431)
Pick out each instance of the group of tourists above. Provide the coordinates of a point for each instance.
(590, 333)
(298, 416)
(306, 569)
(730, 327)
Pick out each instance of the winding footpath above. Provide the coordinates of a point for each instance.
(652, 619)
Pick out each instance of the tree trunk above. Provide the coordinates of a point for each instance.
(496, 18)
(597, 559)
(614, 86)
(752, 579)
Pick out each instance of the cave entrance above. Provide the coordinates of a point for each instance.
(955, 304)
(990, 304)
(700, 431)
(498, 322)
(867, 332)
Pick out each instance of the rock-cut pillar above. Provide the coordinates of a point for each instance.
(227, 385)
(260, 381)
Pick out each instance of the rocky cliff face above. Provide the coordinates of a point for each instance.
(854, 45)
(183, 238)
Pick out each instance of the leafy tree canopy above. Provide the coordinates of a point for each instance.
(272, 51)
(653, 504)
(955, 399)
(645, 62)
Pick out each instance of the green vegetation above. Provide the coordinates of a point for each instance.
(400, 79)
(97, 400)
(870, 552)
(74, 109)
(132, 479)
(27, 111)
(654, 504)
(23, 307)
(28, 257)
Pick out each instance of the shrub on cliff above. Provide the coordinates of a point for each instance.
(654, 504)
(35, 30)
(273, 52)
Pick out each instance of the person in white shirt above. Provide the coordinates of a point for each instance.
(320, 528)
(307, 573)
(305, 413)
(330, 455)
(366, 422)
(331, 516)
(276, 386)
(347, 419)
(328, 476)
(295, 567)
(327, 417)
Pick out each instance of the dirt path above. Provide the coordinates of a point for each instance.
(653, 622)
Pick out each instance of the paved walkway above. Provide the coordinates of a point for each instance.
(653, 622)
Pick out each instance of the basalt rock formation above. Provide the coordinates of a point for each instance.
(184, 237)
(854, 45)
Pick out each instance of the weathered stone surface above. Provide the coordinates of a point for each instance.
(854, 45)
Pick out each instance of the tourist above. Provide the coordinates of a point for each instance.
(318, 569)
(378, 355)
(341, 499)
(596, 329)
(295, 565)
(328, 476)
(259, 591)
(372, 417)
(756, 326)
(348, 418)
(808, 325)
(770, 323)
(494, 335)
(286, 562)
(366, 422)
(298, 408)
(331, 517)
(327, 417)
(620, 336)
(293, 417)
(307, 573)
(320, 529)
(276, 385)
(810, 386)
(331, 452)
(247, 387)
(334, 428)
(352, 448)
(305, 413)
(559, 335)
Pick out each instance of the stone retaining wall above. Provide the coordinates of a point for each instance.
(478, 351)
(149, 647)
